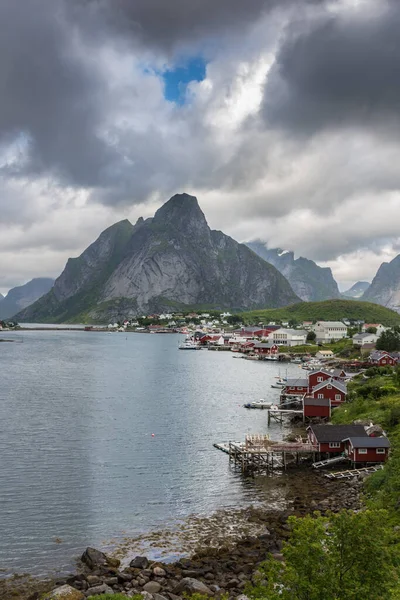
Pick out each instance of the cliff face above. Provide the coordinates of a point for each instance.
(357, 290)
(309, 281)
(385, 286)
(171, 261)
(22, 296)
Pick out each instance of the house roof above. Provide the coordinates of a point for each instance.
(332, 324)
(337, 433)
(327, 352)
(379, 354)
(317, 402)
(361, 336)
(296, 383)
(339, 385)
(330, 372)
(369, 442)
(264, 345)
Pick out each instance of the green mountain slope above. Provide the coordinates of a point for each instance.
(22, 296)
(329, 310)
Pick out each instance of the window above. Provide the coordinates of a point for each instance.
(338, 397)
(329, 387)
(320, 395)
(334, 444)
(380, 451)
(362, 451)
(319, 379)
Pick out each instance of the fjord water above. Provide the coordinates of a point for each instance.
(79, 464)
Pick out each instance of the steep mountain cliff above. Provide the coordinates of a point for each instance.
(385, 286)
(309, 281)
(22, 296)
(357, 290)
(171, 261)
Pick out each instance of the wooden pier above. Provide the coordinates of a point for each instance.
(353, 472)
(260, 454)
(277, 414)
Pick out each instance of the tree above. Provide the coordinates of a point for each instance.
(345, 556)
(389, 340)
(371, 330)
(311, 336)
(234, 319)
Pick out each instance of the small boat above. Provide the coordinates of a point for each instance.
(189, 344)
(262, 404)
(270, 357)
(296, 361)
(277, 386)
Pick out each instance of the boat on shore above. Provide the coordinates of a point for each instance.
(262, 404)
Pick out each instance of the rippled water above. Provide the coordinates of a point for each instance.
(78, 460)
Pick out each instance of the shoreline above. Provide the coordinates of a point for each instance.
(262, 530)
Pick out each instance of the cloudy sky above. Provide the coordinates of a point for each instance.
(281, 116)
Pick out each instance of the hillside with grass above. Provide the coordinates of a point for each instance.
(328, 310)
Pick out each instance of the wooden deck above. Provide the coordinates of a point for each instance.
(259, 453)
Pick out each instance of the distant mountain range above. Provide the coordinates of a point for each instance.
(385, 286)
(169, 262)
(309, 281)
(356, 290)
(22, 296)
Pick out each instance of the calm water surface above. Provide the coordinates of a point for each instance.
(78, 460)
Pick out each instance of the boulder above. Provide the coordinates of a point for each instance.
(100, 589)
(159, 572)
(159, 597)
(95, 559)
(139, 562)
(152, 587)
(64, 592)
(192, 586)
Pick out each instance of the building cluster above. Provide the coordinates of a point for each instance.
(359, 444)
(320, 392)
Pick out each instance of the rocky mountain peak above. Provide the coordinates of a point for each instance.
(183, 212)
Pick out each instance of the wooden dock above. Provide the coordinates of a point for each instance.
(260, 454)
(353, 472)
(278, 414)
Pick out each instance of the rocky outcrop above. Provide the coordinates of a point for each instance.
(308, 280)
(385, 286)
(64, 592)
(22, 296)
(357, 290)
(172, 261)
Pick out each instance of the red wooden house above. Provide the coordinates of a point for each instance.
(295, 387)
(330, 438)
(318, 376)
(367, 450)
(317, 407)
(265, 348)
(381, 358)
(334, 390)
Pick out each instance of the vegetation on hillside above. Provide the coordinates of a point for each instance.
(341, 556)
(329, 310)
(348, 556)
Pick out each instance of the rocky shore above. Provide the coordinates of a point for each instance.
(212, 571)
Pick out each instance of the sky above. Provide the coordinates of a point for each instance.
(281, 116)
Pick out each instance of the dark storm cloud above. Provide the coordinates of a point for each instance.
(337, 70)
(167, 24)
(49, 100)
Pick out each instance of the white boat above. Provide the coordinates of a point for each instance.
(270, 357)
(189, 344)
(262, 404)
